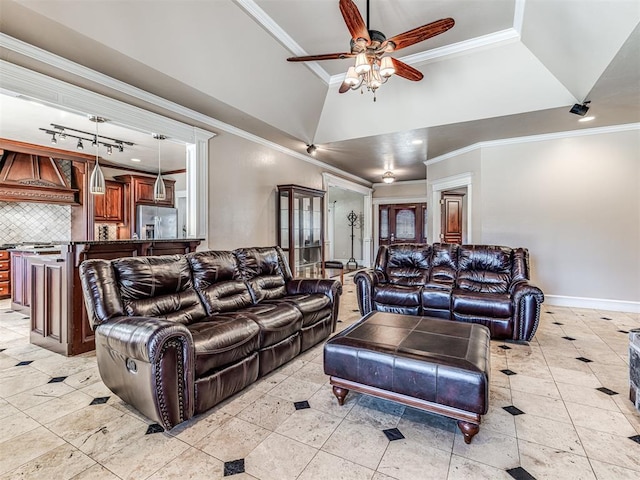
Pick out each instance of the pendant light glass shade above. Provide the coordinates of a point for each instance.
(159, 190)
(97, 185)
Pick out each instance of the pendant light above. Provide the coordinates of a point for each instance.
(97, 184)
(159, 190)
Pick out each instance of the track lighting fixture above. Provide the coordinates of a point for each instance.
(580, 109)
(109, 150)
(80, 146)
(311, 149)
(54, 140)
(95, 141)
(59, 131)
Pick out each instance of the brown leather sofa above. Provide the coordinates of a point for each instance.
(486, 284)
(177, 334)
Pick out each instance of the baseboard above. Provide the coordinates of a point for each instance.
(595, 303)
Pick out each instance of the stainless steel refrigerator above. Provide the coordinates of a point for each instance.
(156, 222)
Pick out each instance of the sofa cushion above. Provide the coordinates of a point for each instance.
(314, 306)
(408, 264)
(444, 263)
(218, 281)
(494, 305)
(262, 270)
(158, 287)
(484, 268)
(220, 340)
(397, 299)
(436, 295)
(277, 321)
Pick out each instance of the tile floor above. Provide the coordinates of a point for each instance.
(559, 409)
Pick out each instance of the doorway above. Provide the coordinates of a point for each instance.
(402, 223)
(451, 214)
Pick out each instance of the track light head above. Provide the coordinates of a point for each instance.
(580, 109)
(80, 146)
(54, 140)
(311, 149)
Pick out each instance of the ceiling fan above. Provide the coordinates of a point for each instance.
(369, 47)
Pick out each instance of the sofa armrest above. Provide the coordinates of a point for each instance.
(365, 281)
(526, 300)
(331, 288)
(149, 364)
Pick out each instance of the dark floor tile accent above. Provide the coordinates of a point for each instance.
(57, 379)
(606, 390)
(338, 321)
(506, 371)
(513, 410)
(520, 473)
(356, 310)
(549, 312)
(584, 359)
(23, 363)
(626, 332)
(504, 347)
(301, 405)
(233, 467)
(605, 318)
(154, 428)
(569, 338)
(350, 291)
(635, 438)
(2, 349)
(558, 323)
(99, 400)
(393, 434)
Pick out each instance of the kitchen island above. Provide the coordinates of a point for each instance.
(59, 320)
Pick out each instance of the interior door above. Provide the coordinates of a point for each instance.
(451, 215)
(402, 223)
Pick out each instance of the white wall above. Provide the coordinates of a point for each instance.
(575, 203)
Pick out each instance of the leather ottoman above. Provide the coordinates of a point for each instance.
(436, 365)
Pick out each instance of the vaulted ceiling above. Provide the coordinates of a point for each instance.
(507, 68)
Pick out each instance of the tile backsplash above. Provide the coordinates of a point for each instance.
(34, 222)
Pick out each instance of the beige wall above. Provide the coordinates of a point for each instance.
(401, 189)
(574, 202)
(242, 190)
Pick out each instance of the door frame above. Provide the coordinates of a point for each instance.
(451, 183)
(391, 200)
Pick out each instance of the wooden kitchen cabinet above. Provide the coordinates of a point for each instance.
(5, 274)
(110, 207)
(141, 190)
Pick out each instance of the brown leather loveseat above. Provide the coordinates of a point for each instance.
(177, 334)
(486, 284)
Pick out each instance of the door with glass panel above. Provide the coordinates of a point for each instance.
(402, 223)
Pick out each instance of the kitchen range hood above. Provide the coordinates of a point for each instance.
(32, 177)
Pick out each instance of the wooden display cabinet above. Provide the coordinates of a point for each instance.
(5, 274)
(109, 207)
(301, 229)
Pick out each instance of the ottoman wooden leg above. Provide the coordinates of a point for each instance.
(468, 430)
(340, 394)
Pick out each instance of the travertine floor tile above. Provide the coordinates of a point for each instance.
(409, 459)
(278, 458)
(325, 466)
(360, 443)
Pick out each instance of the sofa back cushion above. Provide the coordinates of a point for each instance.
(444, 263)
(484, 268)
(158, 286)
(407, 264)
(262, 269)
(218, 281)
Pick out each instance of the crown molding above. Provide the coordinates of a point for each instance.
(56, 61)
(260, 16)
(536, 138)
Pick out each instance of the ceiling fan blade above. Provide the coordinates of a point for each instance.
(354, 21)
(421, 33)
(406, 71)
(344, 87)
(324, 56)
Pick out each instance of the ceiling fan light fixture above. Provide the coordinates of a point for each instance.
(386, 67)
(362, 63)
(376, 80)
(352, 77)
(388, 177)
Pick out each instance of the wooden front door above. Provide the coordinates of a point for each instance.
(451, 215)
(402, 223)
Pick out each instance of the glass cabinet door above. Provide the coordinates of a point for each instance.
(301, 229)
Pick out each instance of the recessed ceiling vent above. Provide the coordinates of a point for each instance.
(26, 177)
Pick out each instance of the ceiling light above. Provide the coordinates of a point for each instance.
(386, 67)
(97, 185)
(388, 177)
(587, 119)
(120, 147)
(417, 141)
(95, 141)
(311, 149)
(159, 190)
(135, 160)
(109, 150)
(80, 146)
(580, 109)
(53, 138)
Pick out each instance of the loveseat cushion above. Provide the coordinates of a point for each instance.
(220, 340)
(262, 270)
(158, 286)
(277, 321)
(484, 268)
(397, 299)
(218, 281)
